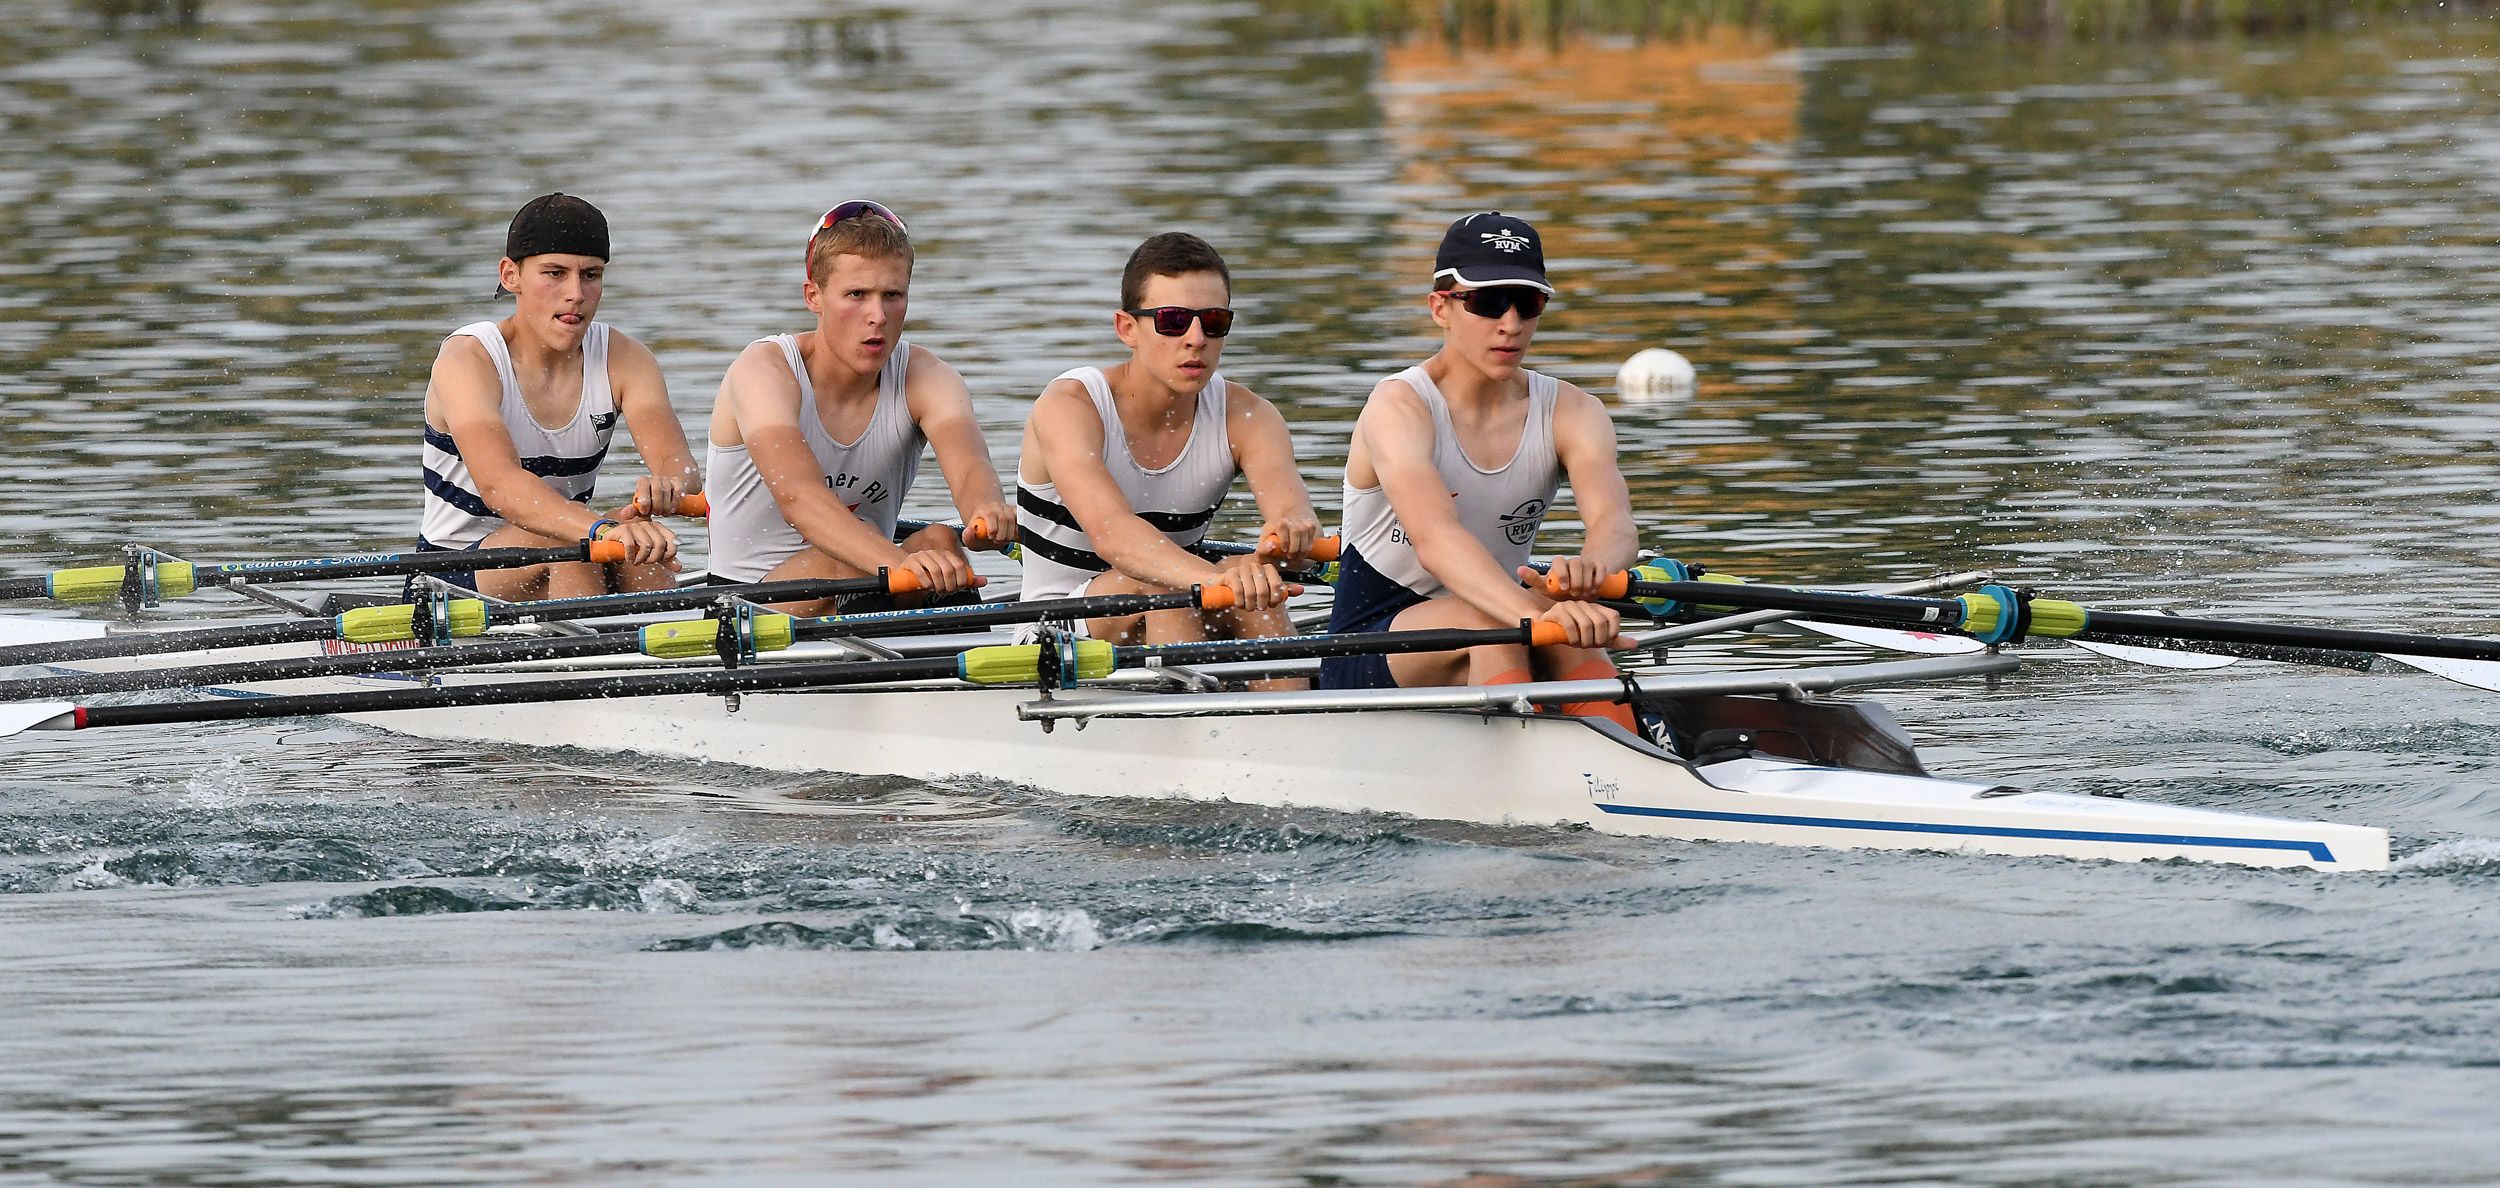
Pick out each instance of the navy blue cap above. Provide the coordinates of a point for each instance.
(1491, 249)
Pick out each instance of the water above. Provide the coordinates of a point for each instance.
(2201, 324)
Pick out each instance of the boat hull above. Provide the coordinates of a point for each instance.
(1495, 769)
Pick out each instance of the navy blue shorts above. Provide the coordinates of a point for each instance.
(1366, 601)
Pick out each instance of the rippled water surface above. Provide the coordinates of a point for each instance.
(2205, 324)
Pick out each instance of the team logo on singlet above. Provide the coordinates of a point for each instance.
(602, 422)
(854, 491)
(1519, 523)
(1505, 239)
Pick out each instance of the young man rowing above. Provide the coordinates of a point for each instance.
(1125, 466)
(816, 436)
(519, 413)
(1453, 466)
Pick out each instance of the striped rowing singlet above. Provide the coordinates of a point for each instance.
(868, 474)
(1502, 508)
(1179, 499)
(566, 457)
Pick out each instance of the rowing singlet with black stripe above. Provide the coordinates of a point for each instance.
(1179, 498)
(1502, 508)
(567, 457)
(868, 474)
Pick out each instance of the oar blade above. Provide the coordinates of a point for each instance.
(15, 630)
(2156, 657)
(1923, 643)
(19, 716)
(2481, 674)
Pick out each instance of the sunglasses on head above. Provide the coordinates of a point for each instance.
(1172, 321)
(853, 209)
(1494, 302)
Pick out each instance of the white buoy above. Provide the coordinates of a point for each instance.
(1656, 375)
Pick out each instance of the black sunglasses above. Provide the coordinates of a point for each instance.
(1494, 302)
(1172, 321)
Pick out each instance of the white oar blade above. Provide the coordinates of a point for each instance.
(2482, 674)
(2156, 657)
(19, 716)
(1924, 643)
(15, 630)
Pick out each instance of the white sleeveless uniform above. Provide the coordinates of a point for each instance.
(1502, 507)
(1179, 498)
(868, 474)
(567, 456)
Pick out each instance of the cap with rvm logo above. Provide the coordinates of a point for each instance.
(1489, 249)
(557, 222)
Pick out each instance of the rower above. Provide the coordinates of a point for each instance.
(817, 436)
(1124, 466)
(519, 413)
(1453, 466)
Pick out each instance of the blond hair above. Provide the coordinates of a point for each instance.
(870, 235)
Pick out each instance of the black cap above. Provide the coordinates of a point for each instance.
(557, 222)
(1490, 249)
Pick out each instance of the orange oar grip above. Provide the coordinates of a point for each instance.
(901, 581)
(1546, 635)
(1217, 597)
(696, 504)
(1615, 586)
(980, 526)
(607, 550)
(1325, 548)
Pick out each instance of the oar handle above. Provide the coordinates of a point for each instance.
(697, 504)
(904, 581)
(1325, 548)
(1616, 585)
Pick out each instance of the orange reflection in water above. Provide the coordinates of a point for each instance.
(1652, 169)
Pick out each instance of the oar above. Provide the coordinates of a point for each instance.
(463, 617)
(1997, 614)
(677, 640)
(1067, 661)
(1906, 641)
(174, 579)
(1324, 549)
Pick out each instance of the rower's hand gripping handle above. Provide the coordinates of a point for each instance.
(1325, 548)
(1616, 585)
(697, 504)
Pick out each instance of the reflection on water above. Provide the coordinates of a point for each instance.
(1859, 22)
(2078, 305)
(848, 40)
(120, 14)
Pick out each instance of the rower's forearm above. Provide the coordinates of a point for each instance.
(683, 470)
(1480, 581)
(1616, 549)
(1150, 556)
(534, 506)
(975, 489)
(846, 538)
